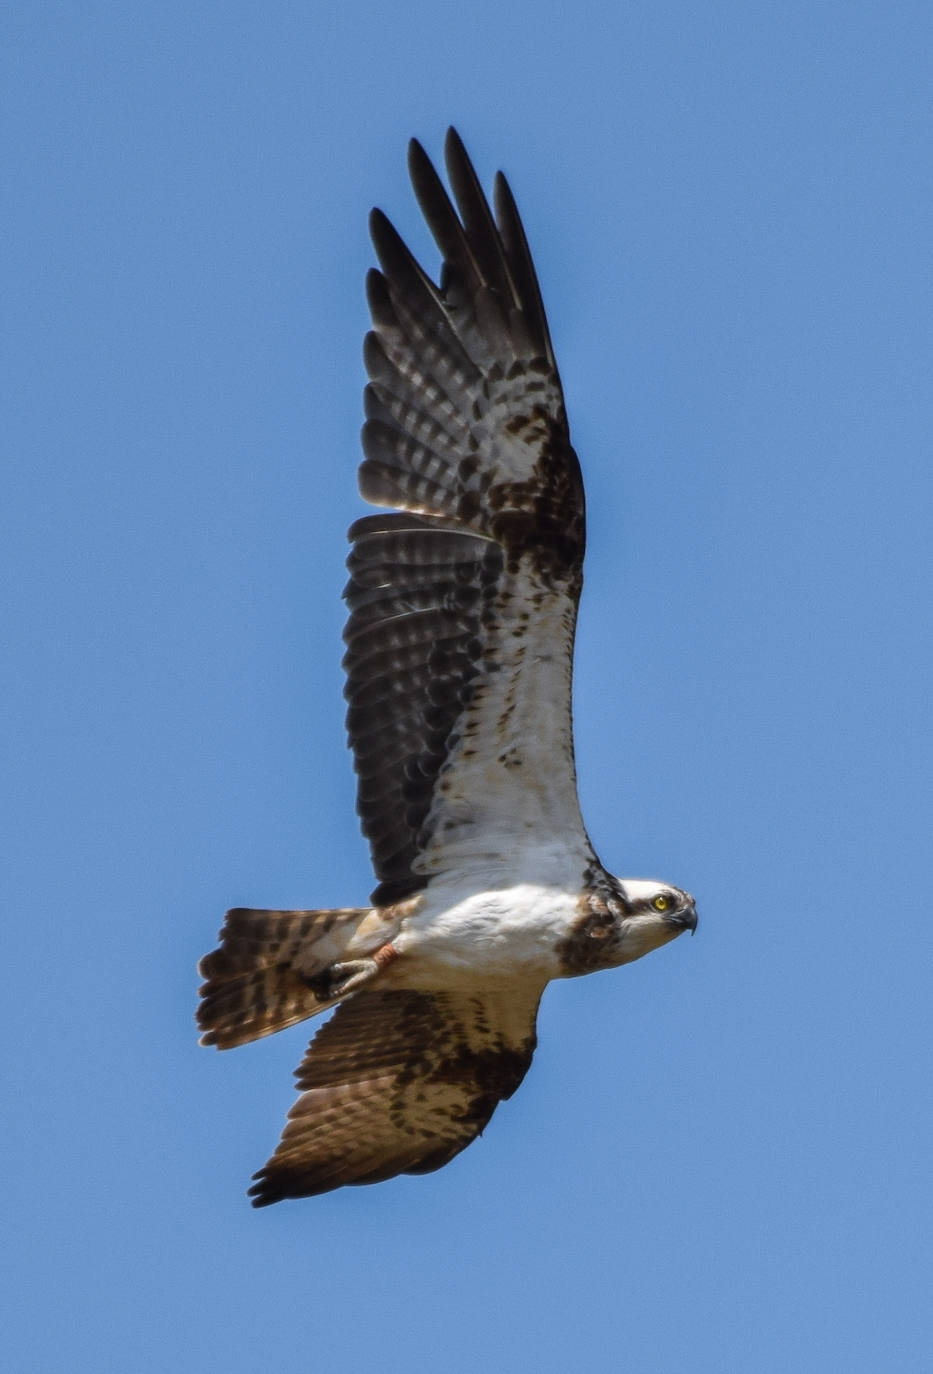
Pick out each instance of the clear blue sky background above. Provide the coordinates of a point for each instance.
(720, 1160)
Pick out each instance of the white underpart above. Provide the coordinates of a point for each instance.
(505, 932)
(482, 927)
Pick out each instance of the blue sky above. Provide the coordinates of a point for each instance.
(720, 1159)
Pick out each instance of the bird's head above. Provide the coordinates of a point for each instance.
(654, 914)
(621, 919)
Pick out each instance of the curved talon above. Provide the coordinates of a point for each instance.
(347, 977)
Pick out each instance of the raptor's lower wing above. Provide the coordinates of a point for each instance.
(399, 1082)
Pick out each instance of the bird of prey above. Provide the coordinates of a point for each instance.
(463, 600)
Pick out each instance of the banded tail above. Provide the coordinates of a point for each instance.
(272, 968)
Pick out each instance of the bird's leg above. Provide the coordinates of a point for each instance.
(343, 978)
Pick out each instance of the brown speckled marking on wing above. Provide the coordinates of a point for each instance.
(399, 1082)
(466, 431)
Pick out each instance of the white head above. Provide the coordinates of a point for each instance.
(656, 913)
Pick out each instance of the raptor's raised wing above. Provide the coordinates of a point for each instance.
(463, 601)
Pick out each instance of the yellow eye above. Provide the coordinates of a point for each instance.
(661, 902)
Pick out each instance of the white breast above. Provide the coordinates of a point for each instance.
(492, 933)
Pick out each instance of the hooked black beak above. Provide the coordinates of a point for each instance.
(686, 919)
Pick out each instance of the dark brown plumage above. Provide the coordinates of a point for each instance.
(396, 1082)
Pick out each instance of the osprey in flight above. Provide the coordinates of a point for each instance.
(463, 601)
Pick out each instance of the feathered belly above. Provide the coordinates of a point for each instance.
(499, 933)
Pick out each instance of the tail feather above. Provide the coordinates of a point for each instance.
(261, 978)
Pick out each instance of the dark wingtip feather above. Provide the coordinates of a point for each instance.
(453, 143)
(521, 264)
(417, 157)
(441, 217)
(481, 230)
(262, 1193)
(402, 270)
(381, 229)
